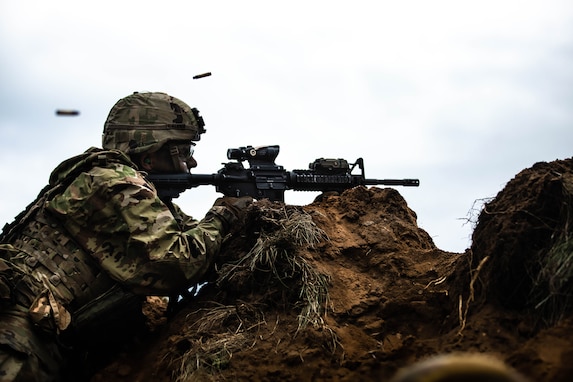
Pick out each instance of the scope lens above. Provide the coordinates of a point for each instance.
(234, 154)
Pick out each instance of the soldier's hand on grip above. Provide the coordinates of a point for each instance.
(240, 203)
(236, 206)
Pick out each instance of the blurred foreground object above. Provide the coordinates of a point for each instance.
(459, 367)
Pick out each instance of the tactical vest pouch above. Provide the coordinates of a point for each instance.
(103, 321)
(5, 287)
(46, 312)
(96, 313)
(9, 274)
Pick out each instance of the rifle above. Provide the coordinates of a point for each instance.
(265, 179)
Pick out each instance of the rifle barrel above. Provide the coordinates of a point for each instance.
(392, 182)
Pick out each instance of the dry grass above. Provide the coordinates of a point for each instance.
(313, 295)
(220, 331)
(207, 356)
(233, 318)
(553, 289)
(277, 254)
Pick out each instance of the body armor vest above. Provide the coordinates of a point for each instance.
(73, 276)
(47, 261)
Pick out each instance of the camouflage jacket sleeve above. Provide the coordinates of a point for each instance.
(115, 214)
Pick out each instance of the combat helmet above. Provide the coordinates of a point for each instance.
(143, 122)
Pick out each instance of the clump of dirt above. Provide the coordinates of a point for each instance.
(350, 288)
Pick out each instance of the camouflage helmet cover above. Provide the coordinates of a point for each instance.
(143, 122)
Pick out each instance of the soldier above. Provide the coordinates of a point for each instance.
(76, 265)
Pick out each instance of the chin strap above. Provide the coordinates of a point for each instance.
(175, 157)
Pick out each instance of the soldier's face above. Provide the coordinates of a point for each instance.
(184, 157)
(172, 158)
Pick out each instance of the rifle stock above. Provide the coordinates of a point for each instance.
(264, 179)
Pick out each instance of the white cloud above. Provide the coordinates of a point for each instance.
(462, 95)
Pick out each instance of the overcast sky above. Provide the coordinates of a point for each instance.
(460, 94)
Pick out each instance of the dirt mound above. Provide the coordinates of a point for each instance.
(350, 288)
(518, 234)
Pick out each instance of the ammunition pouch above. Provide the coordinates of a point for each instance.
(102, 320)
(96, 313)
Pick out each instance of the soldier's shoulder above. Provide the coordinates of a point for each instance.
(91, 158)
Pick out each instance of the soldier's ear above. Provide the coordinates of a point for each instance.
(146, 162)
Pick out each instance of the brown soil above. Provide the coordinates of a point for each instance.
(394, 298)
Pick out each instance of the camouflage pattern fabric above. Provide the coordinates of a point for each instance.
(24, 355)
(144, 122)
(111, 214)
(115, 214)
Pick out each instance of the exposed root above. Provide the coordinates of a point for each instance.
(463, 311)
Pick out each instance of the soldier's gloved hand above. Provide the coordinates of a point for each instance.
(232, 210)
(240, 203)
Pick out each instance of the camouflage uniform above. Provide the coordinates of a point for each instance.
(79, 259)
